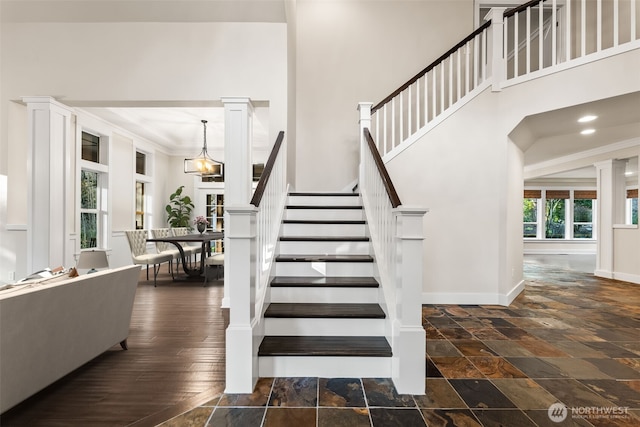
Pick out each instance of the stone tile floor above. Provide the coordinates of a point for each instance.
(568, 346)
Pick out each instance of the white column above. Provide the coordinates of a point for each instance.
(610, 210)
(364, 109)
(238, 121)
(238, 112)
(496, 56)
(48, 172)
(409, 335)
(240, 237)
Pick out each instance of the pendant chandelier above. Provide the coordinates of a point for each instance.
(204, 165)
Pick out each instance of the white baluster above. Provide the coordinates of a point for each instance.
(599, 25)
(528, 52)
(616, 22)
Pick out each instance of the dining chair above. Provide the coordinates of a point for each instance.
(190, 249)
(138, 244)
(164, 247)
(214, 260)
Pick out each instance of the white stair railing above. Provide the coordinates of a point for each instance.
(252, 232)
(515, 45)
(396, 235)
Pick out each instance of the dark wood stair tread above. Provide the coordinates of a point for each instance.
(324, 310)
(324, 282)
(324, 239)
(323, 207)
(324, 346)
(324, 258)
(324, 221)
(323, 194)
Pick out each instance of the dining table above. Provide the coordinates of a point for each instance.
(204, 239)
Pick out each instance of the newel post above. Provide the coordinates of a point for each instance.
(497, 64)
(364, 109)
(240, 234)
(410, 346)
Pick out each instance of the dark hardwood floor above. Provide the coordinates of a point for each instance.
(175, 361)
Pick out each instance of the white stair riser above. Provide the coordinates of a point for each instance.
(322, 269)
(323, 327)
(323, 230)
(325, 367)
(324, 248)
(325, 214)
(324, 200)
(334, 295)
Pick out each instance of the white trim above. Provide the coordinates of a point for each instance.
(626, 277)
(461, 298)
(576, 62)
(626, 226)
(582, 155)
(512, 294)
(603, 273)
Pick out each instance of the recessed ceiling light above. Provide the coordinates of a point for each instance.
(586, 119)
(588, 131)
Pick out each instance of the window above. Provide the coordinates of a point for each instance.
(567, 214)
(140, 205)
(583, 214)
(141, 163)
(555, 217)
(530, 213)
(143, 185)
(89, 209)
(215, 216)
(632, 207)
(93, 184)
(90, 147)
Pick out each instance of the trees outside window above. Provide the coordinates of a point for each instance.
(582, 219)
(530, 217)
(88, 209)
(558, 214)
(554, 219)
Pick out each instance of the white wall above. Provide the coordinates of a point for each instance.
(353, 51)
(111, 62)
(461, 171)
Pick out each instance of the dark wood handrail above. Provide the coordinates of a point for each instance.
(511, 12)
(386, 179)
(431, 66)
(480, 29)
(264, 178)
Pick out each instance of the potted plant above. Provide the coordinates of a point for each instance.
(201, 223)
(179, 209)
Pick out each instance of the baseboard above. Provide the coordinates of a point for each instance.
(626, 277)
(459, 298)
(603, 273)
(507, 299)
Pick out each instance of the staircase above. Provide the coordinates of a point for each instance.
(324, 318)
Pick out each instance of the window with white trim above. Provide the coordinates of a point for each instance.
(559, 214)
(631, 208)
(143, 195)
(93, 192)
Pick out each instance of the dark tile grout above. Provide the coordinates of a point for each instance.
(600, 299)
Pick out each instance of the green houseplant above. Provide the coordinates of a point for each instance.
(179, 209)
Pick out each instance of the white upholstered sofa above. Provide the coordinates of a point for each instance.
(47, 330)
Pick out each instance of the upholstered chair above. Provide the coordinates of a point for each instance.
(138, 244)
(164, 247)
(215, 260)
(190, 249)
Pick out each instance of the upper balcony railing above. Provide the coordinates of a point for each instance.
(511, 46)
